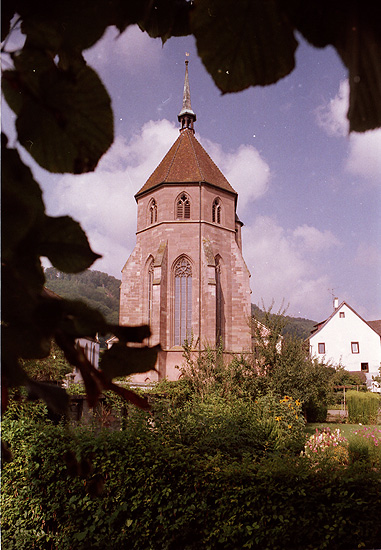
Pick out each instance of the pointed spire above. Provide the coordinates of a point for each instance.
(186, 116)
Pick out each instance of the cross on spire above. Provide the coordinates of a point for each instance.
(186, 116)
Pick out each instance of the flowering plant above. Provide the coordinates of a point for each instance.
(373, 435)
(285, 415)
(327, 445)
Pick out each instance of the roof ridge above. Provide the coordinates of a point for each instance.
(196, 157)
(173, 158)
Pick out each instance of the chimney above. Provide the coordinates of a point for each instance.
(335, 303)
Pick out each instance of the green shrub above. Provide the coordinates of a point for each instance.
(232, 427)
(358, 451)
(316, 412)
(131, 489)
(365, 445)
(362, 407)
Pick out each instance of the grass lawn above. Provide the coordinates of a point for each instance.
(346, 429)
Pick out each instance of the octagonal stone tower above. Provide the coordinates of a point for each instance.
(186, 276)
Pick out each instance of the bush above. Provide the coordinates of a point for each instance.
(316, 412)
(362, 407)
(233, 428)
(358, 451)
(130, 489)
(365, 445)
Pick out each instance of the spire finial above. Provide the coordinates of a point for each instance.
(186, 116)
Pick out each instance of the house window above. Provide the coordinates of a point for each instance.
(321, 347)
(216, 211)
(153, 212)
(150, 293)
(365, 367)
(183, 207)
(342, 314)
(183, 301)
(355, 347)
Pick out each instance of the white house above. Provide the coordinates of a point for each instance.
(346, 339)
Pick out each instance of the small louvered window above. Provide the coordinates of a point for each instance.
(183, 207)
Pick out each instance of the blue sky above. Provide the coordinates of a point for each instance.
(309, 194)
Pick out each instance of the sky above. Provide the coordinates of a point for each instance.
(309, 193)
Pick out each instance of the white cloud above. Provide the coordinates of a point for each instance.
(364, 157)
(245, 169)
(332, 117)
(314, 240)
(282, 270)
(103, 201)
(132, 50)
(364, 153)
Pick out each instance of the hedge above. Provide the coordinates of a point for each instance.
(78, 489)
(363, 407)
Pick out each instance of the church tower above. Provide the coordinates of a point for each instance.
(186, 276)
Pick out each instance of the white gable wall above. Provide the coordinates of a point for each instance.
(339, 333)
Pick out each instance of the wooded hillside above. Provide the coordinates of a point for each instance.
(97, 289)
(101, 291)
(295, 326)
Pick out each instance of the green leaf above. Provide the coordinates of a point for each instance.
(7, 13)
(130, 334)
(72, 25)
(12, 374)
(246, 44)
(121, 360)
(22, 333)
(80, 320)
(22, 205)
(64, 117)
(132, 397)
(166, 18)
(64, 242)
(361, 52)
(55, 397)
(354, 30)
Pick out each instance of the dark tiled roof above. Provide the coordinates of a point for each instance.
(186, 162)
(376, 326)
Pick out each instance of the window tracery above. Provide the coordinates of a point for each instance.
(183, 301)
(183, 207)
(153, 212)
(216, 211)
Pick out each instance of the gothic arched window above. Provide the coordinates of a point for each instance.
(183, 207)
(153, 212)
(216, 211)
(150, 292)
(219, 305)
(183, 301)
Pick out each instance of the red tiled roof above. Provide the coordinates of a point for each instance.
(186, 162)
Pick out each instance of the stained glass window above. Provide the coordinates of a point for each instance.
(150, 293)
(183, 301)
